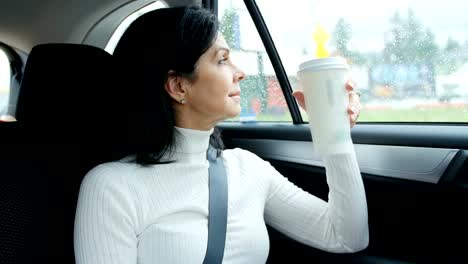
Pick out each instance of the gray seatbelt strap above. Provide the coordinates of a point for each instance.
(217, 209)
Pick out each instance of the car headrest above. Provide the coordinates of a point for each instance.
(72, 96)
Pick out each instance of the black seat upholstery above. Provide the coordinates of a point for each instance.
(74, 113)
(15, 205)
(73, 96)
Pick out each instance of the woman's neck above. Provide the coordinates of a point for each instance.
(194, 122)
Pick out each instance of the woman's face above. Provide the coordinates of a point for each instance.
(214, 94)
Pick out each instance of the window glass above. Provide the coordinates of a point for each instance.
(261, 98)
(4, 85)
(408, 57)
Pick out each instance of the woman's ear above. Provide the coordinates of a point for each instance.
(175, 86)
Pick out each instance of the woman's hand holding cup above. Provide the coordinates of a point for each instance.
(354, 106)
(331, 109)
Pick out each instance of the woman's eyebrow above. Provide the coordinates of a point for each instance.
(227, 50)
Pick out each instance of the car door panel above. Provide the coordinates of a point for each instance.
(412, 163)
(415, 183)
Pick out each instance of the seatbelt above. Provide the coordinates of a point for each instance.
(217, 209)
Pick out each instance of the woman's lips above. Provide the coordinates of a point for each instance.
(236, 98)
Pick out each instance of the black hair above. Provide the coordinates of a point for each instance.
(158, 42)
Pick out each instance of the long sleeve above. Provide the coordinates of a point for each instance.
(339, 225)
(105, 220)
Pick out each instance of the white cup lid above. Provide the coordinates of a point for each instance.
(324, 64)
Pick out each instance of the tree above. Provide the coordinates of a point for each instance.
(408, 42)
(230, 28)
(451, 45)
(450, 59)
(341, 37)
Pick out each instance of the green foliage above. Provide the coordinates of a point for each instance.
(451, 59)
(341, 37)
(408, 42)
(227, 27)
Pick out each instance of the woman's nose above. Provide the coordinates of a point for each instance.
(240, 75)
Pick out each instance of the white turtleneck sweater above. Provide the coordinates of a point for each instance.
(159, 214)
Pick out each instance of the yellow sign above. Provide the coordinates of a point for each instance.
(321, 37)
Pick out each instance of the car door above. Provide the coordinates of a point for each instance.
(412, 139)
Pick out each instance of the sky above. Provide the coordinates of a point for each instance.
(291, 22)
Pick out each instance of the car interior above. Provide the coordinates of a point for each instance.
(73, 110)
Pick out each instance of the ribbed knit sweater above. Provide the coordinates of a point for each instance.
(159, 214)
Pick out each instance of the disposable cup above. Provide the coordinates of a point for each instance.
(323, 83)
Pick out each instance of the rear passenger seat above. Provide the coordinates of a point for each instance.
(15, 206)
(73, 113)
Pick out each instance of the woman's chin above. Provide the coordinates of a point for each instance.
(232, 112)
(235, 112)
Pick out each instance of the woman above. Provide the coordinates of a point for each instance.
(152, 207)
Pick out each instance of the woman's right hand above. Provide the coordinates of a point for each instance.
(354, 106)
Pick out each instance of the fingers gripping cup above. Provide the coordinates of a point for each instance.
(323, 83)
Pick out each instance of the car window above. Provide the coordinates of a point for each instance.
(409, 58)
(4, 85)
(261, 98)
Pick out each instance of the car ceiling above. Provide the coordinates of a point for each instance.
(26, 23)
